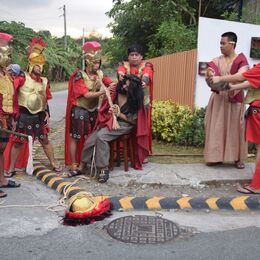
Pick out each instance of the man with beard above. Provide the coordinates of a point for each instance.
(84, 94)
(127, 99)
(33, 117)
(144, 70)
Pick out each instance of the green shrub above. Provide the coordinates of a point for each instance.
(177, 123)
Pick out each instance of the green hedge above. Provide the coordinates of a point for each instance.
(178, 124)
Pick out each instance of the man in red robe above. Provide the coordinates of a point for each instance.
(84, 93)
(144, 70)
(249, 80)
(8, 104)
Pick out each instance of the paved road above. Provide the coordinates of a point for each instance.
(58, 105)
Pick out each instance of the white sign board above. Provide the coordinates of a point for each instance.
(210, 31)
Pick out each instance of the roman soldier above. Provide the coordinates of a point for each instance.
(84, 96)
(33, 117)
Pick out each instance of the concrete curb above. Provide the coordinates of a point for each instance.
(52, 180)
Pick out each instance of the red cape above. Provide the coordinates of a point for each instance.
(141, 141)
(67, 125)
(22, 160)
(253, 76)
(148, 68)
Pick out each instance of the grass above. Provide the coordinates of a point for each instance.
(170, 153)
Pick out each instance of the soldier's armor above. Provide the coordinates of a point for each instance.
(7, 92)
(90, 104)
(32, 95)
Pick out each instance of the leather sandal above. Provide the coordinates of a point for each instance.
(9, 174)
(73, 173)
(11, 184)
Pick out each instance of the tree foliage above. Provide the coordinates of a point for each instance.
(60, 62)
(161, 26)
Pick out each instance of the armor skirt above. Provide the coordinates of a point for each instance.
(82, 122)
(33, 125)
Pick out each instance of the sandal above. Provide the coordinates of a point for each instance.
(2, 194)
(9, 174)
(103, 175)
(57, 168)
(239, 165)
(247, 190)
(11, 184)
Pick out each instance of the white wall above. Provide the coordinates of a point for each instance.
(209, 35)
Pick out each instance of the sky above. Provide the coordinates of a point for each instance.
(48, 15)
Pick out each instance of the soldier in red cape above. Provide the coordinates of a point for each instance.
(9, 83)
(84, 94)
(249, 80)
(33, 119)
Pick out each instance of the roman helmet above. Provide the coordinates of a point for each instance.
(5, 49)
(35, 54)
(92, 53)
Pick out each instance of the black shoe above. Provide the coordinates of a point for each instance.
(103, 175)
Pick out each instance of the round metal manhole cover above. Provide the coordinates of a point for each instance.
(143, 229)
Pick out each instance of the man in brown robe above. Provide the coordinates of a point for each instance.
(224, 119)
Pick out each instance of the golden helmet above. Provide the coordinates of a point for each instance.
(5, 49)
(35, 53)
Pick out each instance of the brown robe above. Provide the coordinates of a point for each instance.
(224, 120)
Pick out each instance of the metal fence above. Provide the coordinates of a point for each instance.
(174, 77)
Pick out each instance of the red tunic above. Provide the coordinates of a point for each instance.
(253, 120)
(76, 89)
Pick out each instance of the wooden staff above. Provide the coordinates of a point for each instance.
(7, 131)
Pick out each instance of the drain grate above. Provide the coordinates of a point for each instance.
(142, 229)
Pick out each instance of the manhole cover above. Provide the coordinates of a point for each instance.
(143, 229)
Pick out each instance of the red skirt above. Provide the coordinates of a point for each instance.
(253, 128)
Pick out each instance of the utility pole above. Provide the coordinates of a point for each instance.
(240, 10)
(199, 11)
(83, 58)
(65, 26)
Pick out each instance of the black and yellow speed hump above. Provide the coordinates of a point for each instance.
(212, 203)
(53, 181)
